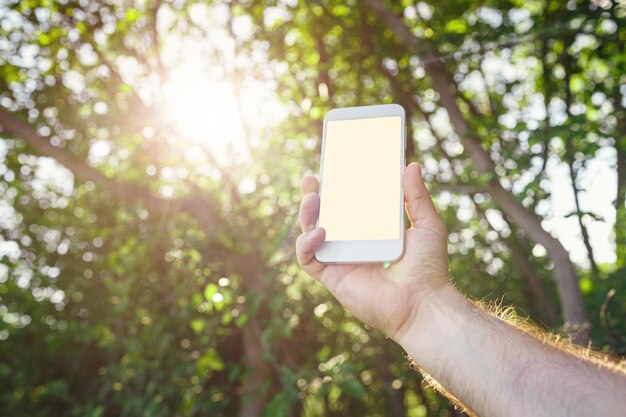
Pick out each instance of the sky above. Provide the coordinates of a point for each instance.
(599, 181)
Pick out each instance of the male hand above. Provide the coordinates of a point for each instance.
(385, 298)
(415, 298)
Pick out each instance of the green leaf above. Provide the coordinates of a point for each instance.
(211, 361)
(44, 39)
(210, 291)
(281, 404)
(586, 285)
(341, 10)
(197, 325)
(456, 26)
(353, 388)
(132, 15)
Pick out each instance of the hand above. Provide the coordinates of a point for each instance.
(387, 299)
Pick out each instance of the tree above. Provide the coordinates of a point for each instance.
(148, 272)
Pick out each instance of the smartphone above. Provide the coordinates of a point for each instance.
(361, 196)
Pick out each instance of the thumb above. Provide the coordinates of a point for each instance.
(418, 204)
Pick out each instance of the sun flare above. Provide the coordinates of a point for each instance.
(203, 110)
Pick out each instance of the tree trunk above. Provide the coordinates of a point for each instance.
(259, 374)
(572, 306)
(520, 259)
(620, 200)
(540, 296)
(394, 398)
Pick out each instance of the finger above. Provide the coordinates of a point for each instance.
(309, 211)
(309, 184)
(306, 245)
(419, 206)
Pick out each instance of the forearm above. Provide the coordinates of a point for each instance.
(496, 369)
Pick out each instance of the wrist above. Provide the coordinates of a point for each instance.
(436, 322)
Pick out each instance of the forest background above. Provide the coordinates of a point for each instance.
(150, 155)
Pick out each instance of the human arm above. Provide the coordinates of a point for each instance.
(495, 368)
(491, 366)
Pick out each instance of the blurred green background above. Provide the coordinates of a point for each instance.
(150, 155)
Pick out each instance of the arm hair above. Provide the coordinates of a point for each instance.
(508, 314)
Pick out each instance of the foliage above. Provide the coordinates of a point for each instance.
(111, 306)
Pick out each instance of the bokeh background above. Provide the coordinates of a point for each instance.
(150, 155)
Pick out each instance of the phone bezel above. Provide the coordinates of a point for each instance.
(365, 251)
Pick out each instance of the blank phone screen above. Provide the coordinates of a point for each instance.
(360, 190)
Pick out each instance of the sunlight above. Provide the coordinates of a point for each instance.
(212, 95)
(203, 110)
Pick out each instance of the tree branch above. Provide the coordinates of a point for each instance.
(204, 211)
(570, 159)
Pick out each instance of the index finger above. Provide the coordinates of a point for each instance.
(309, 184)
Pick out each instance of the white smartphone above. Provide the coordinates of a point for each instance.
(361, 197)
